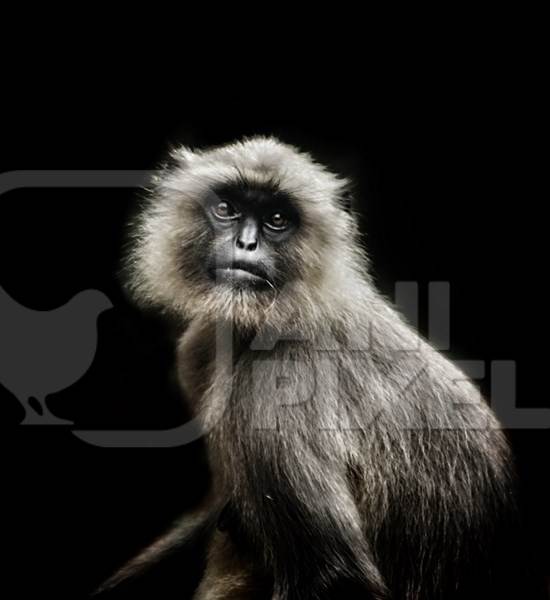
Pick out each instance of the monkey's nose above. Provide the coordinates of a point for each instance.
(244, 245)
(247, 239)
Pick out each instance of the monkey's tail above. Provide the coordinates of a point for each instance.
(185, 531)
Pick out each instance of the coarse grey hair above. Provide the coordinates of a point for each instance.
(357, 460)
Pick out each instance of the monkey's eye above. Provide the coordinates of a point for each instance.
(277, 222)
(225, 211)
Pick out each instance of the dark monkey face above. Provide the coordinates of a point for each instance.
(253, 231)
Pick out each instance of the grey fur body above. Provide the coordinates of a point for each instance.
(357, 460)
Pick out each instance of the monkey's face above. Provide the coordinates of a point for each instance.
(246, 249)
(252, 232)
(250, 241)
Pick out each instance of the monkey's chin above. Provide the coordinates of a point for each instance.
(239, 278)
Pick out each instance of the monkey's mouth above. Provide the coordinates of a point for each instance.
(239, 274)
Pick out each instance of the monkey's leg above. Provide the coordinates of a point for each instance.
(228, 574)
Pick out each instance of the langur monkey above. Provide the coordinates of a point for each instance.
(349, 458)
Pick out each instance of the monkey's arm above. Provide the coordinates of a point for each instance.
(288, 480)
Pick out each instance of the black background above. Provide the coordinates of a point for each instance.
(445, 153)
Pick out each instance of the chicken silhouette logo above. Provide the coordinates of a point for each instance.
(43, 352)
